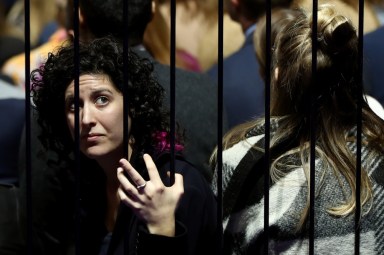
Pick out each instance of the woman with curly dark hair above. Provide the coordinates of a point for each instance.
(125, 205)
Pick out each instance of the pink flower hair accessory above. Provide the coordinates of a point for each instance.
(162, 142)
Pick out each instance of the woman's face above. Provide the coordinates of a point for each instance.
(100, 115)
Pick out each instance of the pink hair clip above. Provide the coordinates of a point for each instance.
(162, 142)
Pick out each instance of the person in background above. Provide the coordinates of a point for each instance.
(10, 44)
(12, 112)
(42, 16)
(373, 56)
(243, 88)
(196, 33)
(378, 7)
(334, 112)
(372, 66)
(53, 36)
(122, 197)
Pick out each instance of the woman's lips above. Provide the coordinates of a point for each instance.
(92, 137)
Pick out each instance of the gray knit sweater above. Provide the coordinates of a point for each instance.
(243, 206)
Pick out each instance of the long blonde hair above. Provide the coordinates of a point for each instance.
(336, 87)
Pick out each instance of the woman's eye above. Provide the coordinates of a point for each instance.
(70, 105)
(102, 100)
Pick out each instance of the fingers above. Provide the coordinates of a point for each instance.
(132, 173)
(155, 204)
(125, 183)
(138, 180)
(152, 170)
(128, 200)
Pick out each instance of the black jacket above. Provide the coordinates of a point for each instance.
(62, 226)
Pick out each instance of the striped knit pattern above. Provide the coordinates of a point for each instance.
(244, 227)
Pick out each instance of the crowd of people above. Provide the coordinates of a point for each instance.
(112, 162)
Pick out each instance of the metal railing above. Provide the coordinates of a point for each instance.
(219, 240)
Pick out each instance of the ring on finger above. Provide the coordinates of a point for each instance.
(141, 187)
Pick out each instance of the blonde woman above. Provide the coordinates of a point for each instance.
(292, 85)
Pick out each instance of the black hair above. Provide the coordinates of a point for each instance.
(106, 17)
(102, 56)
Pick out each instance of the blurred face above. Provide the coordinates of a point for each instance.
(100, 116)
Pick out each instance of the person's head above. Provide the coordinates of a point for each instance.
(101, 100)
(99, 18)
(336, 84)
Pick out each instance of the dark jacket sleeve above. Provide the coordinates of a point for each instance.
(149, 244)
(52, 206)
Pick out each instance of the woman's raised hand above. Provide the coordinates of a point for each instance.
(151, 201)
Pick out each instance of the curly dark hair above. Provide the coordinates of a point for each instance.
(102, 56)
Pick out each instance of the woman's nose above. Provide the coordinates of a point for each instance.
(87, 115)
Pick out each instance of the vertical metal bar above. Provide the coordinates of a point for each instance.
(267, 100)
(219, 239)
(125, 94)
(126, 78)
(76, 60)
(359, 125)
(172, 90)
(313, 132)
(27, 47)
